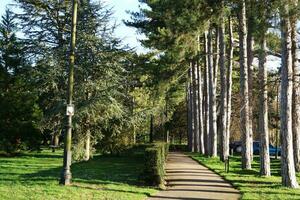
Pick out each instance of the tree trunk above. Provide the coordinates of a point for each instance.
(134, 134)
(168, 136)
(250, 46)
(212, 102)
(206, 97)
(190, 112)
(263, 110)
(133, 124)
(296, 98)
(245, 128)
(200, 109)
(151, 135)
(87, 145)
(87, 141)
(216, 53)
(195, 106)
(55, 140)
(287, 159)
(165, 123)
(278, 117)
(216, 63)
(229, 78)
(223, 99)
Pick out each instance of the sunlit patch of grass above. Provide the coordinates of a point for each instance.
(36, 175)
(249, 182)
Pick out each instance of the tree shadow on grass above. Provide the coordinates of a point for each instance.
(109, 189)
(258, 182)
(124, 169)
(247, 172)
(41, 155)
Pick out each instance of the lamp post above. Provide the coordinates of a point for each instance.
(66, 174)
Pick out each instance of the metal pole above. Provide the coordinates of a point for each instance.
(66, 175)
(277, 131)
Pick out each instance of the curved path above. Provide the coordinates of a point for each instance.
(187, 179)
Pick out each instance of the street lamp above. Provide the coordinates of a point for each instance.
(66, 174)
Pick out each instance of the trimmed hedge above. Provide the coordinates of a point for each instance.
(155, 158)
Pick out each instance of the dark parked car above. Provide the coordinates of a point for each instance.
(237, 147)
(272, 149)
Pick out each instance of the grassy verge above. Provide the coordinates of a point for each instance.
(36, 175)
(249, 182)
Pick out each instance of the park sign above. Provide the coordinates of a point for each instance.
(70, 110)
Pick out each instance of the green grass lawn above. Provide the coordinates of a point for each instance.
(249, 182)
(36, 176)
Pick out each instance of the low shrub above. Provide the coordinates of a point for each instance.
(23, 138)
(154, 171)
(136, 149)
(178, 147)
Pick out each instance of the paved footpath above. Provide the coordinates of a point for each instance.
(187, 179)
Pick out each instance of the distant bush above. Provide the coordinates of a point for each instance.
(155, 157)
(178, 147)
(19, 119)
(23, 137)
(136, 149)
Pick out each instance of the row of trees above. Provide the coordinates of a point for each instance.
(199, 37)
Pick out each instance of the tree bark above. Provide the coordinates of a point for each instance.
(151, 135)
(200, 109)
(212, 102)
(245, 128)
(216, 53)
(167, 139)
(55, 140)
(287, 158)
(250, 46)
(296, 98)
(195, 106)
(133, 124)
(190, 114)
(87, 146)
(87, 141)
(229, 78)
(189, 117)
(216, 63)
(134, 134)
(223, 99)
(263, 110)
(206, 97)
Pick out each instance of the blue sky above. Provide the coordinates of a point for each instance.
(119, 6)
